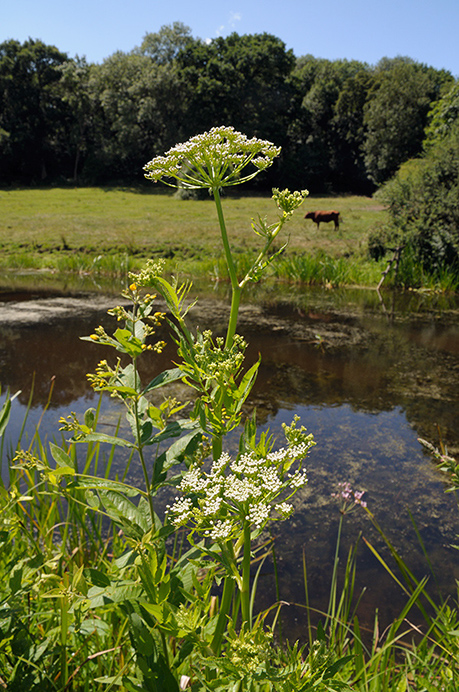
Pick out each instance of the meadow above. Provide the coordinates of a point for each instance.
(95, 229)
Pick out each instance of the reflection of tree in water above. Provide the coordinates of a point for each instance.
(361, 361)
(388, 368)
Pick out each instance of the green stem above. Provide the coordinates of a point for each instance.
(262, 253)
(227, 595)
(236, 289)
(217, 447)
(333, 587)
(245, 592)
(235, 300)
(226, 245)
(139, 435)
(137, 425)
(64, 631)
(147, 484)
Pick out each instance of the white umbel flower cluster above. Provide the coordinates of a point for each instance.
(213, 159)
(217, 503)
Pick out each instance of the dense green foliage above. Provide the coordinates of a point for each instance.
(396, 114)
(343, 125)
(423, 197)
(33, 114)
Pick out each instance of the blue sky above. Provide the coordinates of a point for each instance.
(366, 30)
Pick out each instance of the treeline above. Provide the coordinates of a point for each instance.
(343, 125)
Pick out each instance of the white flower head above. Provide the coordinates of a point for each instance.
(284, 509)
(298, 479)
(212, 160)
(220, 530)
(258, 514)
(247, 489)
(181, 510)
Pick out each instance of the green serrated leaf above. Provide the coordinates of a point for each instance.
(92, 499)
(154, 609)
(93, 483)
(247, 383)
(90, 418)
(96, 577)
(176, 453)
(144, 642)
(63, 471)
(146, 432)
(134, 518)
(128, 343)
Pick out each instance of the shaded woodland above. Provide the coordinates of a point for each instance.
(344, 126)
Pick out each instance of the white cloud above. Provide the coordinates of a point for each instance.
(235, 17)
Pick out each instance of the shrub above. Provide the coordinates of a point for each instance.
(423, 203)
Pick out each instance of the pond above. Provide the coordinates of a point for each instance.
(368, 375)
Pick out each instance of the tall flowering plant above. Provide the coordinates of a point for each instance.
(231, 502)
(225, 501)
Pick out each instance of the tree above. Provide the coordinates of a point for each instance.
(443, 116)
(32, 115)
(395, 114)
(423, 202)
(348, 127)
(76, 92)
(138, 106)
(240, 81)
(326, 130)
(164, 46)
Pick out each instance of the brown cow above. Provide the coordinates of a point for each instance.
(325, 216)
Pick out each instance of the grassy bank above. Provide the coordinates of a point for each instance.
(105, 230)
(98, 234)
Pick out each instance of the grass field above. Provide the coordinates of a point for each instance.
(38, 224)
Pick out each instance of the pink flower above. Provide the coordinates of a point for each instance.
(348, 498)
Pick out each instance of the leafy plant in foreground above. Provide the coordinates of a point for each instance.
(247, 492)
(171, 629)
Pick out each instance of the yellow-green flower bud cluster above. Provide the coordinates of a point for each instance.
(72, 424)
(289, 201)
(26, 460)
(216, 361)
(146, 276)
(105, 377)
(250, 649)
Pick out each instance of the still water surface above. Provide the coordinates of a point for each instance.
(367, 376)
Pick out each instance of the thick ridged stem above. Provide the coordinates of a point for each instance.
(235, 288)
